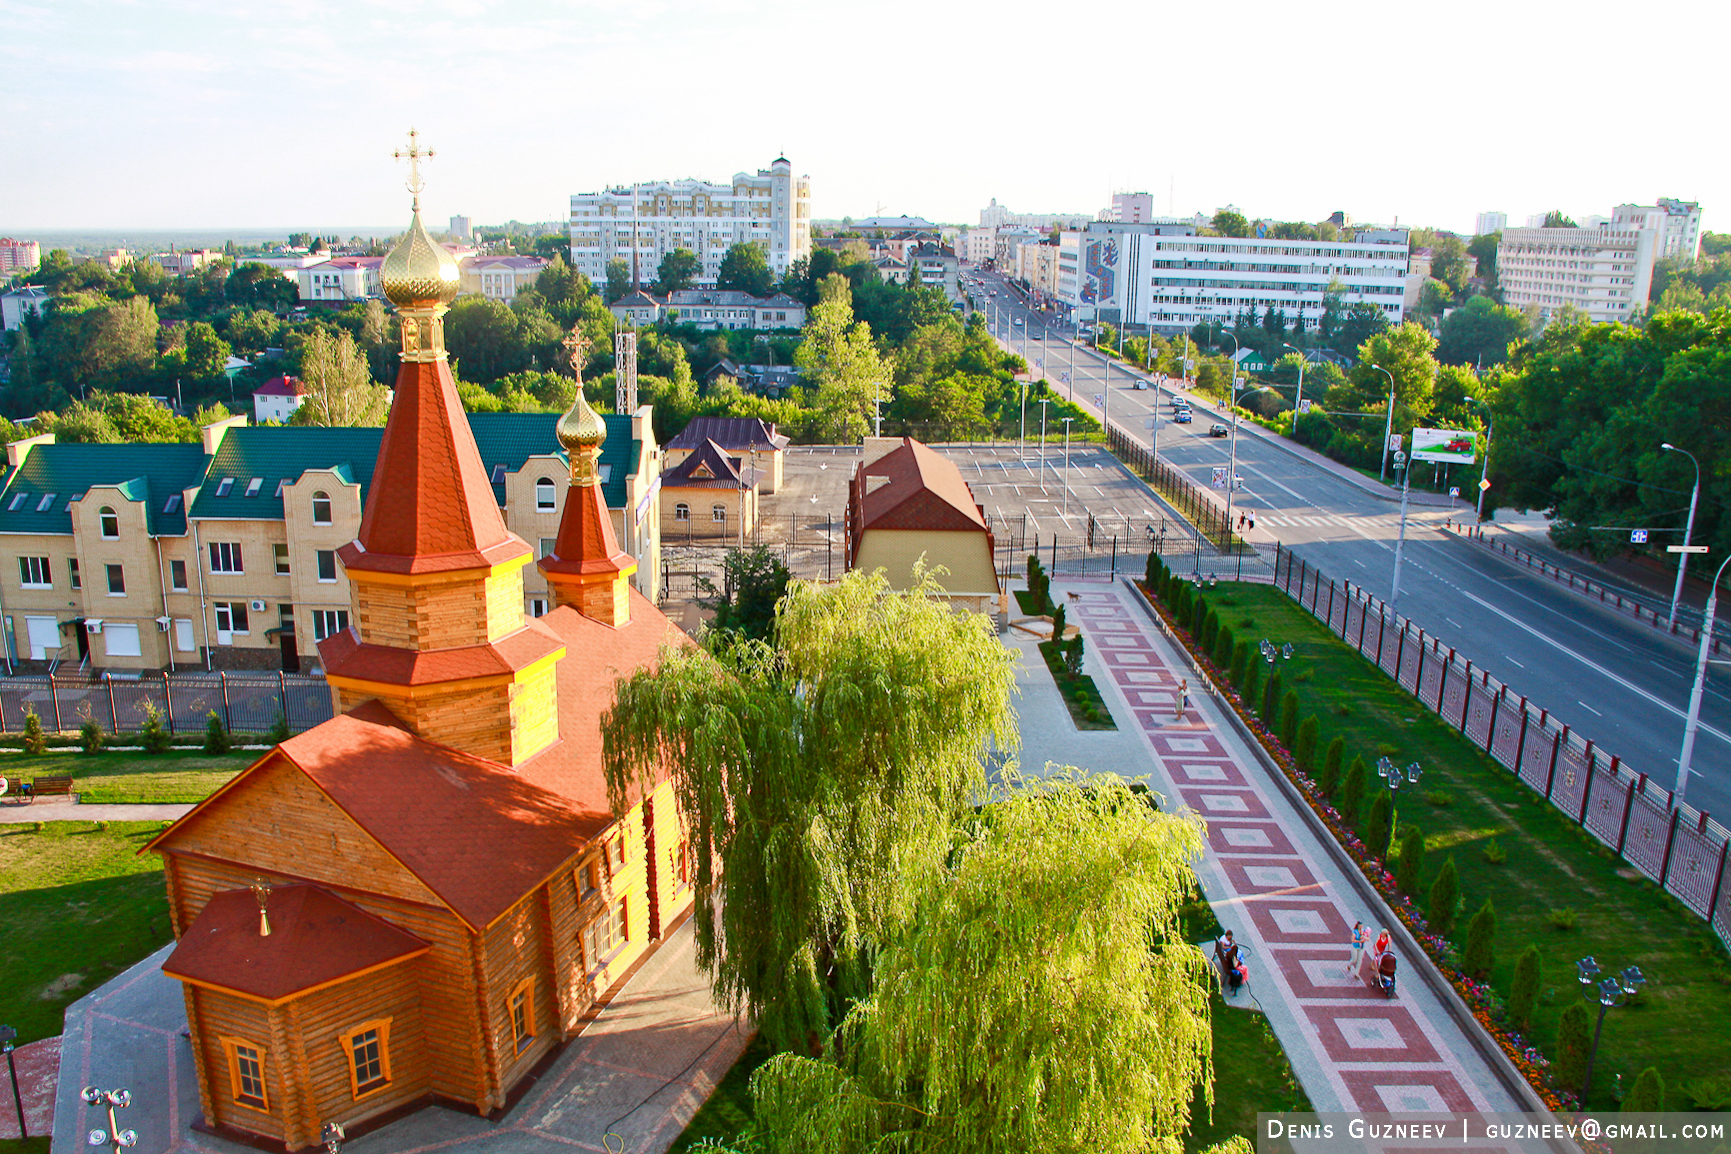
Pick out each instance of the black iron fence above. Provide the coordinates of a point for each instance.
(1677, 846)
(247, 703)
(1190, 500)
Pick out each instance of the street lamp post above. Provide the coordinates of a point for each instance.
(1485, 470)
(1298, 397)
(1400, 462)
(1694, 719)
(1388, 432)
(1232, 469)
(1044, 401)
(7, 1034)
(114, 1135)
(1067, 421)
(1611, 993)
(1394, 777)
(1688, 529)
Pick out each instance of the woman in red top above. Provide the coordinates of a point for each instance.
(1381, 944)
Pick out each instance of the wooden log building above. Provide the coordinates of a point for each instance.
(418, 900)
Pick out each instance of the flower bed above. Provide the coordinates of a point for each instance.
(1479, 998)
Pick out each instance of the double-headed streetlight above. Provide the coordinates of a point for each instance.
(1693, 722)
(1689, 528)
(1232, 470)
(1388, 432)
(1611, 993)
(113, 1136)
(1298, 397)
(1394, 777)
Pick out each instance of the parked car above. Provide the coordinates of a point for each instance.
(1219, 431)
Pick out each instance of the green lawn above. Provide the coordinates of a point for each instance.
(1080, 693)
(180, 776)
(78, 905)
(1551, 863)
(728, 1110)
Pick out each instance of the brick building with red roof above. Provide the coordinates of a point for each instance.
(420, 900)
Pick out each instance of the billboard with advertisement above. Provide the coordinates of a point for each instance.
(1445, 446)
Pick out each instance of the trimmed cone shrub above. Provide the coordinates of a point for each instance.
(1241, 655)
(1331, 763)
(35, 741)
(1445, 894)
(1410, 875)
(279, 730)
(1351, 791)
(1648, 1094)
(154, 736)
(1524, 989)
(1198, 614)
(1224, 646)
(90, 736)
(216, 739)
(1376, 826)
(1304, 746)
(1210, 630)
(1152, 574)
(1289, 718)
(1073, 656)
(1252, 686)
(1479, 955)
(1058, 623)
(1574, 1039)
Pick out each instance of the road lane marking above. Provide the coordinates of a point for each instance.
(1589, 709)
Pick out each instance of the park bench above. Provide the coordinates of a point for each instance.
(58, 785)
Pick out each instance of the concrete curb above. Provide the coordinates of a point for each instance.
(1513, 1080)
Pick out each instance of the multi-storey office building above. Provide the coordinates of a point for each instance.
(1489, 222)
(1677, 224)
(223, 555)
(1605, 272)
(771, 210)
(1165, 275)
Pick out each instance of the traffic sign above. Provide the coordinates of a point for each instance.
(1637, 536)
(1304, 406)
(1099, 400)
(1394, 441)
(1685, 548)
(1454, 490)
(1484, 486)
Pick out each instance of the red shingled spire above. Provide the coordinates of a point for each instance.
(430, 507)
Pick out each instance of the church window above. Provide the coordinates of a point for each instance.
(544, 494)
(321, 508)
(246, 1073)
(368, 1046)
(522, 1006)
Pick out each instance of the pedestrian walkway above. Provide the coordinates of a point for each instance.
(630, 1081)
(1280, 890)
(67, 809)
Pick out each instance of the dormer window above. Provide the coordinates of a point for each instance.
(321, 508)
(254, 485)
(47, 500)
(224, 486)
(110, 524)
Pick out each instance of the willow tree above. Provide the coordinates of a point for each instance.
(819, 781)
(1041, 998)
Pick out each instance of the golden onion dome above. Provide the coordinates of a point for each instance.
(581, 427)
(419, 270)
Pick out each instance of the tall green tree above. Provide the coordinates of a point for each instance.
(340, 389)
(678, 270)
(1448, 263)
(1480, 333)
(1040, 998)
(754, 582)
(838, 357)
(1230, 223)
(745, 269)
(823, 777)
(618, 279)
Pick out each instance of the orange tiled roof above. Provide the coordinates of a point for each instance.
(345, 655)
(585, 543)
(430, 507)
(920, 489)
(316, 938)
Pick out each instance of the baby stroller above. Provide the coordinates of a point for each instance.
(1385, 967)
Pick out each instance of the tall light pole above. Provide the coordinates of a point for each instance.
(1232, 403)
(1683, 558)
(1694, 720)
(1044, 401)
(1067, 421)
(1298, 397)
(1485, 470)
(1401, 461)
(1387, 433)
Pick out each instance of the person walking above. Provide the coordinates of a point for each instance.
(1180, 701)
(1358, 932)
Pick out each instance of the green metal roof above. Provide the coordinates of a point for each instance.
(510, 439)
(154, 474)
(276, 455)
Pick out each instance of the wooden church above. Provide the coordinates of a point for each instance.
(418, 900)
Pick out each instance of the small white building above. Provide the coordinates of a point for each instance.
(277, 399)
(342, 278)
(712, 309)
(15, 305)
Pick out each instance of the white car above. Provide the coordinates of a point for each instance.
(1016, 321)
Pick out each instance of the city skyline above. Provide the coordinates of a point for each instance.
(199, 115)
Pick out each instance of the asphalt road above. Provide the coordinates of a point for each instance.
(1612, 679)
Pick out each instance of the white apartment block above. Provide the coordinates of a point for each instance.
(1677, 223)
(1165, 275)
(1489, 222)
(1131, 208)
(995, 216)
(978, 244)
(771, 210)
(1605, 272)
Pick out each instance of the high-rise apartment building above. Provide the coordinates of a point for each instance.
(18, 256)
(1165, 275)
(1605, 272)
(1132, 207)
(1490, 222)
(1677, 223)
(650, 220)
(462, 228)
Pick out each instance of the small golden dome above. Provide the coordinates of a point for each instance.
(419, 270)
(581, 427)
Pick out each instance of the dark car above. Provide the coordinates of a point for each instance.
(1219, 431)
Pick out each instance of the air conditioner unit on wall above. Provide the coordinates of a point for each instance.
(93, 625)
(162, 624)
(257, 606)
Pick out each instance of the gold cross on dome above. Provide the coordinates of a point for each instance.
(576, 344)
(414, 154)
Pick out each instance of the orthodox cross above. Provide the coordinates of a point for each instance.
(414, 154)
(261, 893)
(576, 344)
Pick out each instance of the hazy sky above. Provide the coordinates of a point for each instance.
(193, 113)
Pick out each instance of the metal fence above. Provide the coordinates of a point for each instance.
(1185, 496)
(1675, 845)
(247, 703)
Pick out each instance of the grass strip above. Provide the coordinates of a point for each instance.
(1081, 696)
(1552, 884)
(181, 776)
